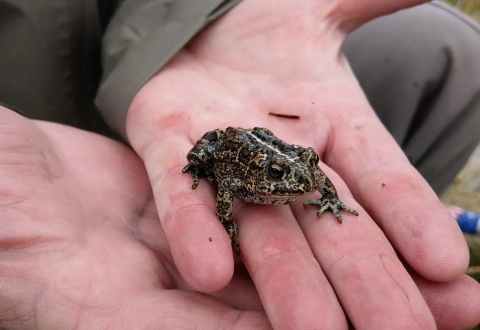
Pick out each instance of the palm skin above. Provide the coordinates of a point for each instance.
(81, 245)
(283, 57)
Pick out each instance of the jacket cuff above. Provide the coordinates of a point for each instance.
(140, 39)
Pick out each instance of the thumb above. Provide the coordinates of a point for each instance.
(175, 309)
(350, 14)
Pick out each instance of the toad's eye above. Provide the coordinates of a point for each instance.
(275, 171)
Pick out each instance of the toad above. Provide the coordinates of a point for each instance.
(256, 166)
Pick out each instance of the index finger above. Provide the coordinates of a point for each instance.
(199, 244)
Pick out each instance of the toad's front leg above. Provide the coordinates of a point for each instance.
(201, 156)
(329, 199)
(224, 212)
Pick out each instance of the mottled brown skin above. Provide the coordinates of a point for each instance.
(256, 166)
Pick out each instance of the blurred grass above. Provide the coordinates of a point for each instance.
(471, 7)
(465, 190)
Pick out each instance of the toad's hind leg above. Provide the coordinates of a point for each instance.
(224, 213)
(329, 200)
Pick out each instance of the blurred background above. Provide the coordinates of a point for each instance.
(471, 7)
(465, 190)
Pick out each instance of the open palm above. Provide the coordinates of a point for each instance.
(283, 57)
(85, 242)
(81, 245)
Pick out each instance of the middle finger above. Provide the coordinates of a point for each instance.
(291, 284)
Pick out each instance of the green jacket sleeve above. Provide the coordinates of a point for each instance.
(141, 37)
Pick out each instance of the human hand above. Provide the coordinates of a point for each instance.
(284, 57)
(81, 245)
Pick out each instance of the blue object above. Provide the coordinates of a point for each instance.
(469, 222)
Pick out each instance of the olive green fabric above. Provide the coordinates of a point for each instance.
(142, 36)
(52, 56)
(49, 59)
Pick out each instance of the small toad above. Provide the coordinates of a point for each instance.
(258, 167)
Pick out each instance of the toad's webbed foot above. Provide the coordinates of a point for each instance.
(330, 202)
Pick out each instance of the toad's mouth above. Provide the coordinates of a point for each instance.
(274, 199)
